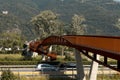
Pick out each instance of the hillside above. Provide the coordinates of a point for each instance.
(101, 15)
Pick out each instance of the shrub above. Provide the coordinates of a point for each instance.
(8, 75)
(69, 58)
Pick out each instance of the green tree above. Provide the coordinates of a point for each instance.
(47, 24)
(11, 39)
(77, 26)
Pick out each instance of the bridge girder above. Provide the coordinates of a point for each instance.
(106, 46)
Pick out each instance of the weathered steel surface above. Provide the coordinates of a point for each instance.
(35, 47)
(103, 45)
(107, 46)
(101, 42)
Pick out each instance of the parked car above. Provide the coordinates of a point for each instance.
(46, 67)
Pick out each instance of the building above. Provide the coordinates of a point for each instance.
(5, 12)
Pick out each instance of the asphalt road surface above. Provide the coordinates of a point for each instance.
(31, 68)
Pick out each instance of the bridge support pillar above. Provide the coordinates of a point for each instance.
(44, 57)
(79, 66)
(94, 69)
(50, 49)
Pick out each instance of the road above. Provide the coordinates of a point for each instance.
(32, 69)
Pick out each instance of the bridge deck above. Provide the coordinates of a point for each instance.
(101, 42)
(106, 46)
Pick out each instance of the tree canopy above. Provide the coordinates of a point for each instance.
(77, 26)
(47, 24)
(11, 39)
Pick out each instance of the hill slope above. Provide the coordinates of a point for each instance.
(101, 15)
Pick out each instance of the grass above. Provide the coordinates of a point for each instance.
(33, 78)
(100, 77)
(109, 77)
(19, 57)
(14, 57)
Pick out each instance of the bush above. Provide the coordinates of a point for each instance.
(8, 75)
(69, 58)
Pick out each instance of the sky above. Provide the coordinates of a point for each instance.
(117, 0)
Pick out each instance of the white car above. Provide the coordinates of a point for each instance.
(46, 67)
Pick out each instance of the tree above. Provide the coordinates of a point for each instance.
(47, 24)
(11, 39)
(77, 26)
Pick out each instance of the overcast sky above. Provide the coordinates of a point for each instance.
(117, 0)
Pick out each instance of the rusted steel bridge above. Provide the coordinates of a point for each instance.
(106, 46)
